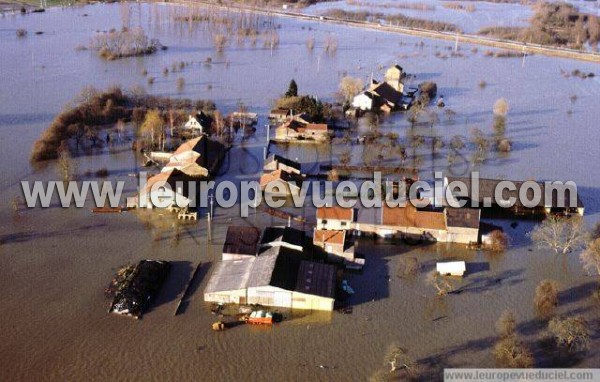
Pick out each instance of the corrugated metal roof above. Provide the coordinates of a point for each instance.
(241, 240)
(316, 279)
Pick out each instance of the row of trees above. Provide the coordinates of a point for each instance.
(560, 24)
(92, 110)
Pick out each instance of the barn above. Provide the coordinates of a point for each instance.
(279, 277)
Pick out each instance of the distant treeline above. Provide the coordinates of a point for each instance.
(93, 109)
(394, 19)
(557, 24)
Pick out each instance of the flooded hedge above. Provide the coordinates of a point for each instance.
(93, 109)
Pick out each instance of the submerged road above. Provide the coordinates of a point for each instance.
(525, 48)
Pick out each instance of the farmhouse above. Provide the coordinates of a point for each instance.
(554, 202)
(277, 162)
(394, 77)
(279, 115)
(281, 182)
(336, 244)
(199, 123)
(198, 157)
(298, 129)
(384, 96)
(434, 224)
(279, 277)
(240, 242)
(335, 218)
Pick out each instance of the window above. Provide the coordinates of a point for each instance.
(324, 221)
(343, 224)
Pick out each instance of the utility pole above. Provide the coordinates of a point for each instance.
(456, 43)
(208, 227)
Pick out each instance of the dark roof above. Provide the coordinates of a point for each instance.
(241, 240)
(487, 189)
(286, 234)
(285, 272)
(388, 93)
(204, 119)
(463, 217)
(285, 161)
(316, 279)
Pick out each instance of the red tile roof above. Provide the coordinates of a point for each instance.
(335, 213)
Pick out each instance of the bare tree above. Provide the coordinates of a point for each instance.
(498, 241)
(440, 282)
(590, 258)
(220, 40)
(65, 165)
(401, 365)
(349, 87)
(501, 107)
(560, 234)
(310, 44)
(506, 325)
(511, 352)
(152, 125)
(572, 332)
(546, 297)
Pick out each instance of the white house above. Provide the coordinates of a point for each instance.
(363, 101)
(198, 123)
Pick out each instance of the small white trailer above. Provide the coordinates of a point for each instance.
(451, 268)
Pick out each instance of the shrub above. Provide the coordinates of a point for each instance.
(501, 107)
(504, 145)
(506, 325)
(220, 41)
(498, 241)
(571, 333)
(102, 173)
(180, 83)
(590, 257)
(511, 352)
(310, 43)
(546, 297)
(125, 43)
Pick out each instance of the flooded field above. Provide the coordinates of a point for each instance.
(55, 263)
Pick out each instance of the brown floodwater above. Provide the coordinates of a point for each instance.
(55, 262)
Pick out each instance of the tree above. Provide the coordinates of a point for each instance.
(65, 164)
(546, 297)
(400, 363)
(292, 89)
(501, 107)
(498, 241)
(590, 258)
(560, 234)
(506, 325)
(349, 87)
(440, 282)
(152, 124)
(511, 352)
(572, 332)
